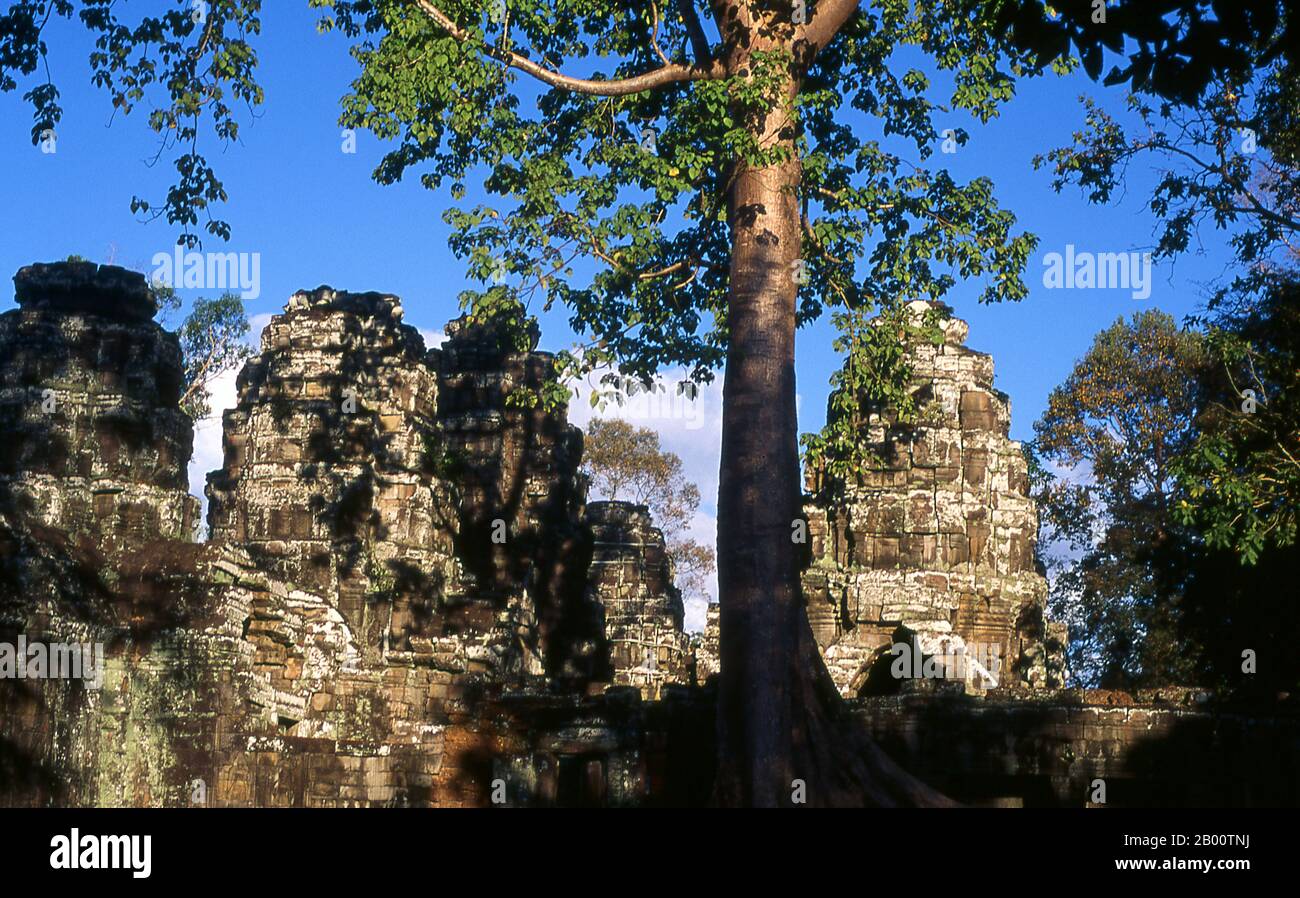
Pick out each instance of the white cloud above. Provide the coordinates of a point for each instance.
(208, 455)
(207, 435)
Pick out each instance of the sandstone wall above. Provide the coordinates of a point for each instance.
(440, 516)
(1049, 749)
(708, 663)
(393, 608)
(225, 687)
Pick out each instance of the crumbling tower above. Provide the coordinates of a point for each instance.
(935, 544)
(95, 442)
(326, 477)
(403, 484)
(513, 462)
(632, 577)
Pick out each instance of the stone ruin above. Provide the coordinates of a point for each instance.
(933, 547)
(403, 592)
(363, 468)
(631, 577)
(96, 443)
(406, 599)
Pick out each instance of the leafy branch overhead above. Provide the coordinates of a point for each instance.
(192, 66)
(612, 199)
(1175, 49)
(1227, 163)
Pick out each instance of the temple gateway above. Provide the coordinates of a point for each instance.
(405, 597)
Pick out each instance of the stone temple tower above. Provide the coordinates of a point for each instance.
(934, 546)
(325, 476)
(399, 483)
(94, 441)
(631, 576)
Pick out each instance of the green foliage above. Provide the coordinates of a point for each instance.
(876, 378)
(447, 463)
(1229, 162)
(1242, 474)
(634, 237)
(1170, 48)
(1176, 590)
(191, 63)
(1147, 438)
(380, 576)
(1126, 410)
(165, 300)
(213, 341)
(1111, 431)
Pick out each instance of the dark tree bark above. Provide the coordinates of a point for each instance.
(780, 718)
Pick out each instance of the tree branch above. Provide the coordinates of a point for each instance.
(669, 74)
(198, 382)
(699, 42)
(830, 17)
(654, 33)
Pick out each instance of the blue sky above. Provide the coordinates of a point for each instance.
(315, 216)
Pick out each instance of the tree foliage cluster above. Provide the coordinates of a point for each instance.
(1152, 597)
(1173, 583)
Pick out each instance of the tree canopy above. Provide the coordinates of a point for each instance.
(1143, 439)
(1111, 433)
(611, 198)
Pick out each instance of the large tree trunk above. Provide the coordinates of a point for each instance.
(780, 719)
